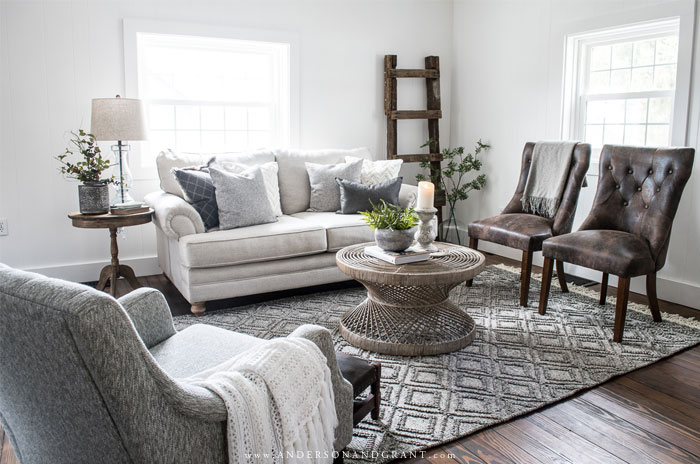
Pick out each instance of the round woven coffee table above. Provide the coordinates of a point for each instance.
(408, 311)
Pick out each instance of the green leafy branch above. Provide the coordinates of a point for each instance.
(388, 216)
(92, 164)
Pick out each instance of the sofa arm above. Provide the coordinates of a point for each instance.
(175, 217)
(408, 195)
(150, 314)
(341, 387)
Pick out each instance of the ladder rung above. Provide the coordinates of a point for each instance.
(419, 114)
(420, 157)
(424, 73)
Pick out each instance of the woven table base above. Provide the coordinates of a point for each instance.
(408, 330)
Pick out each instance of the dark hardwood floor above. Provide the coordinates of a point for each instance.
(649, 415)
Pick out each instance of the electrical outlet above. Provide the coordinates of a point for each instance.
(3, 227)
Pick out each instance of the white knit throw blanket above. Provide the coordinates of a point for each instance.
(280, 402)
(549, 171)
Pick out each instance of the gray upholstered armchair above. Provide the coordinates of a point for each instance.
(87, 378)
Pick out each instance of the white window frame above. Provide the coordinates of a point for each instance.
(682, 11)
(143, 165)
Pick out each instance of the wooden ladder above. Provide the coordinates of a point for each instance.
(433, 113)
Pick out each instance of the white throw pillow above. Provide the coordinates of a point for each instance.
(168, 160)
(374, 172)
(270, 178)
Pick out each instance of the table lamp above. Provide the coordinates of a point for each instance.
(119, 119)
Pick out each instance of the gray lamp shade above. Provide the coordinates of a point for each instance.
(118, 119)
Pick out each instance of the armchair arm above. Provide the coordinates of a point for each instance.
(150, 314)
(408, 195)
(173, 215)
(341, 387)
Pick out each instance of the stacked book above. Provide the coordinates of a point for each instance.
(131, 207)
(409, 255)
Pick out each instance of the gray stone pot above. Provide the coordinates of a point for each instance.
(93, 197)
(395, 240)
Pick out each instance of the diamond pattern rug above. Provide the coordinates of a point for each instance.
(519, 361)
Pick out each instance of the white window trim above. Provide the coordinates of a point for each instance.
(134, 26)
(682, 10)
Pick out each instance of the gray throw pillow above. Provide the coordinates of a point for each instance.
(356, 197)
(241, 198)
(325, 194)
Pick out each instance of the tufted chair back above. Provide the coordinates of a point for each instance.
(564, 218)
(639, 189)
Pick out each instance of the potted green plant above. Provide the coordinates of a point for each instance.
(93, 193)
(452, 179)
(394, 227)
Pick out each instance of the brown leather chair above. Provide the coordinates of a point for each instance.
(629, 227)
(515, 228)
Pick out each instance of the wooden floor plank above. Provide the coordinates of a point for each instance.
(670, 379)
(492, 447)
(531, 445)
(7, 456)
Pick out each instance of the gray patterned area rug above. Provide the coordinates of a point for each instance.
(519, 361)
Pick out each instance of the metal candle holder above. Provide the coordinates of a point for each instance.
(426, 236)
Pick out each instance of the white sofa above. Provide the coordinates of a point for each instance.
(296, 251)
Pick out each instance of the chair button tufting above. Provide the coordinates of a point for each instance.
(658, 189)
(670, 171)
(625, 203)
(609, 168)
(651, 172)
(629, 171)
(617, 187)
(639, 189)
(646, 206)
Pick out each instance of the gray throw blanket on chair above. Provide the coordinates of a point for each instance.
(549, 171)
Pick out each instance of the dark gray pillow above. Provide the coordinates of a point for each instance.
(356, 197)
(241, 198)
(199, 192)
(325, 195)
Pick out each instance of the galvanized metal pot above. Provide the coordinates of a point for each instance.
(395, 240)
(93, 197)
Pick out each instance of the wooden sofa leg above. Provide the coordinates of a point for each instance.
(525, 273)
(561, 276)
(603, 288)
(623, 293)
(376, 391)
(651, 295)
(198, 308)
(547, 268)
(474, 245)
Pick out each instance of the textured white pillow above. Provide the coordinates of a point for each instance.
(374, 172)
(270, 178)
(168, 160)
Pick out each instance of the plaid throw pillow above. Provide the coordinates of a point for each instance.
(199, 191)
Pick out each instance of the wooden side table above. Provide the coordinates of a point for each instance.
(408, 311)
(112, 222)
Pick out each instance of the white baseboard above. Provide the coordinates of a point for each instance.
(684, 293)
(90, 272)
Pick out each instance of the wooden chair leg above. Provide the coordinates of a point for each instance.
(376, 391)
(525, 272)
(651, 295)
(474, 245)
(604, 288)
(547, 268)
(561, 276)
(198, 308)
(623, 293)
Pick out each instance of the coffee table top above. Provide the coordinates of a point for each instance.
(457, 263)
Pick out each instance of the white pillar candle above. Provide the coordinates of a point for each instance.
(426, 193)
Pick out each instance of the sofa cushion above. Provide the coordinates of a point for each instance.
(325, 194)
(198, 189)
(168, 160)
(374, 172)
(286, 238)
(199, 347)
(241, 198)
(269, 172)
(295, 189)
(356, 197)
(341, 229)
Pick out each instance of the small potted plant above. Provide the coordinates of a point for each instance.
(93, 193)
(394, 227)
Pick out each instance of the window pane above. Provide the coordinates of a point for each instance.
(600, 58)
(258, 118)
(622, 55)
(667, 50)
(258, 139)
(186, 117)
(660, 110)
(236, 118)
(665, 77)
(635, 134)
(613, 133)
(595, 112)
(213, 117)
(620, 80)
(236, 140)
(594, 135)
(189, 140)
(643, 53)
(657, 136)
(159, 140)
(642, 79)
(636, 111)
(615, 111)
(599, 82)
(213, 141)
(161, 117)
